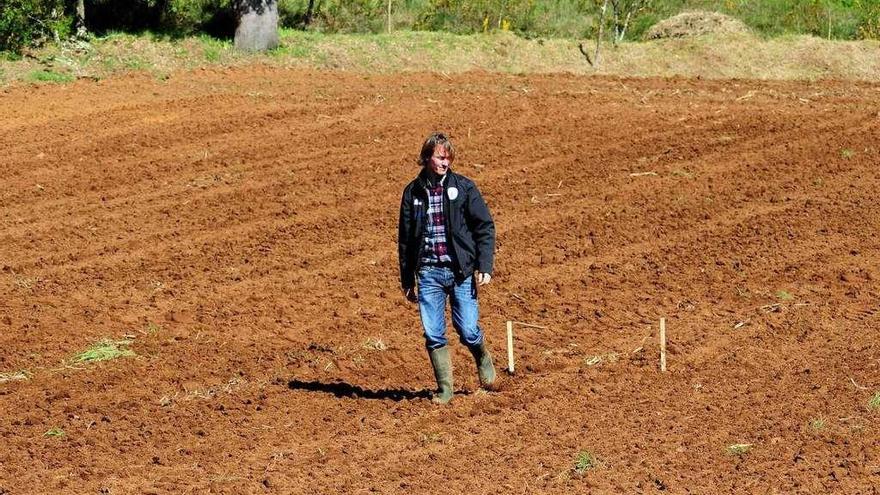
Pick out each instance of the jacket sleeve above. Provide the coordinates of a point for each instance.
(482, 228)
(407, 277)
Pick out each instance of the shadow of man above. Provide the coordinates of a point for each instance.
(342, 389)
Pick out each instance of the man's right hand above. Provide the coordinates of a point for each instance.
(410, 294)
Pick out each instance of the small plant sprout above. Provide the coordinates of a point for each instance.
(784, 295)
(105, 350)
(152, 328)
(375, 344)
(847, 153)
(13, 376)
(738, 449)
(585, 461)
(430, 437)
(874, 403)
(818, 424)
(54, 432)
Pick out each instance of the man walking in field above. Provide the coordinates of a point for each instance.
(446, 245)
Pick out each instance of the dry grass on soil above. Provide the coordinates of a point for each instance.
(703, 45)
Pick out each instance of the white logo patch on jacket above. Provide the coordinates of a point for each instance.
(453, 193)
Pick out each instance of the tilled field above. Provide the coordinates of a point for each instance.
(238, 230)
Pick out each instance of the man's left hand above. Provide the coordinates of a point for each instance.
(483, 278)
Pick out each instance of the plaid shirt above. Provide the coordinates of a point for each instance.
(436, 251)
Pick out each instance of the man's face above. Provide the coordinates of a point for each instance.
(440, 161)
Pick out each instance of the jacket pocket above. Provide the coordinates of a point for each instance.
(465, 250)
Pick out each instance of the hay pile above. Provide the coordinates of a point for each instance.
(696, 23)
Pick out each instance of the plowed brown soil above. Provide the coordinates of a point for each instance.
(239, 228)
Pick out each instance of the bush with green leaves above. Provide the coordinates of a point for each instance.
(25, 23)
(468, 16)
(103, 16)
(351, 16)
(869, 19)
(839, 19)
(531, 18)
(171, 17)
(185, 17)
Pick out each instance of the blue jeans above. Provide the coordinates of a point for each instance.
(435, 284)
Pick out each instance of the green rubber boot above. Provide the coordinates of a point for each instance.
(485, 368)
(442, 364)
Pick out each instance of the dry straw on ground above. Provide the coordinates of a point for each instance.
(705, 45)
(696, 23)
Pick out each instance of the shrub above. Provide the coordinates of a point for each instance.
(869, 19)
(469, 16)
(173, 17)
(292, 13)
(352, 16)
(216, 18)
(104, 16)
(25, 23)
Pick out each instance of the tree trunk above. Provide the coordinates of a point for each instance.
(625, 25)
(615, 14)
(309, 12)
(80, 23)
(257, 25)
(599, 34)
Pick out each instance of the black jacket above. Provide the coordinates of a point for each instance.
(470, 231)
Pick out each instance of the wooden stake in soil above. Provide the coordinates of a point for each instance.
(389, 16)
(662, 344)
(510, 347)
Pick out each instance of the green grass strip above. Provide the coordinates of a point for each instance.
(105, 350)
(48, 76)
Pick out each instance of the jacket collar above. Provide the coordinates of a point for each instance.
(424, 179)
